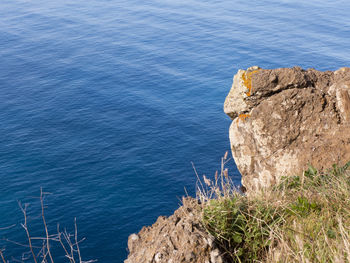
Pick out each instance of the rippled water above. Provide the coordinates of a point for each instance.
(106, 103)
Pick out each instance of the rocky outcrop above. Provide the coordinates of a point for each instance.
(285, 119)
(178, 238)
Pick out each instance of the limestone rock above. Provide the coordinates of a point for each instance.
(178, 238)
(285, 119)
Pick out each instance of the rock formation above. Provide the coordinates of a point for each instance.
(285, 119)
(178, 238)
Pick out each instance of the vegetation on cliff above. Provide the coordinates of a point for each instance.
(305, 218)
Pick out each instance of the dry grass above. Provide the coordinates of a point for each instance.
(304, 219)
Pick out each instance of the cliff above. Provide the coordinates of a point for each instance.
(283, 122)
(286, 119)
(181, 237)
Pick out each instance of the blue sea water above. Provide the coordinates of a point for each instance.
(105, 104)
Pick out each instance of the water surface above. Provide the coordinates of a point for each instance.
(106, 103)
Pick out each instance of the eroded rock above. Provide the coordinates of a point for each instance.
(287, 118)
(178, 238)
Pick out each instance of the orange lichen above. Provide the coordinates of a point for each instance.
(242, 117)
(247, 81)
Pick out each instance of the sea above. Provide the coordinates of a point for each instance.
(108, 105)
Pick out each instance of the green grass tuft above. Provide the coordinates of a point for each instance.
(305, 218)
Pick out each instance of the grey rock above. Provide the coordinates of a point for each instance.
(178, 238)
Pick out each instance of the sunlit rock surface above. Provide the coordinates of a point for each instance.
(287, 118)
(178, 238)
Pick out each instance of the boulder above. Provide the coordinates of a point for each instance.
(286, 119)
(178, 238)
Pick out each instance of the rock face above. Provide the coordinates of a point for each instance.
(287, 118)
(178, 238)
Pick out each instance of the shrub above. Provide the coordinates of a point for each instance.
(39, 249)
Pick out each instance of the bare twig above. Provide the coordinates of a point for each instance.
(15, 242)
(7, 227)
(42, 252)
(2, 256)
(67, 238)
(16, 260)
(45, 226)
(76, 239)
(62, 244)
(26, 229)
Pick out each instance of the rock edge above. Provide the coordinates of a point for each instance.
(285, 119)
(178, 238)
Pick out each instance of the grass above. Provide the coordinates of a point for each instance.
(305, 218)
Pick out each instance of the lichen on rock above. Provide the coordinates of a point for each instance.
(296, 117)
